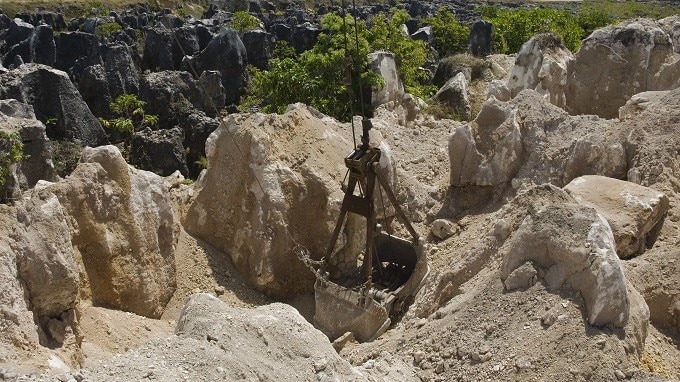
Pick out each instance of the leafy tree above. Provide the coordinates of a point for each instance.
(10, 153)
(242, 22)
(320, 76)
(386, 34)
(317, 77)
(450, 36)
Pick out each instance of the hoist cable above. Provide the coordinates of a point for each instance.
(351, 81)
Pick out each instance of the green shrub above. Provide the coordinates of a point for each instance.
(514, 27)
(107, 31)
(131, 117)
(10, 153)
(320, 76)
(450, 36)
(242, 22)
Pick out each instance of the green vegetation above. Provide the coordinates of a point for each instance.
(512, 28)
(450, 36)
(321, 75)
(386, 34)
(243, 21)
(10, 153)
(107, 31)
(131, 118)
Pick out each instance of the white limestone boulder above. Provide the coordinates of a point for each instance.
(541, 65)
(392, 89)
(574, 245)
(633, 211)
(618, 61)
(487, 151)
(123, 227)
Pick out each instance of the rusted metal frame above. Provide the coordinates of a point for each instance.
(395, 203)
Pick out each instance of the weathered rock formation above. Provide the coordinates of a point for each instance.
(392, 89)
(541, 65)
(529, 140)
(585, 258)
(271, 342)
(616, 62)
(455, 96)
(123, 229)
(634, 212)
(272, 189)
(60, 100)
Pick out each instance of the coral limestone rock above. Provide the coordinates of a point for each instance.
(575, 245)
(124, 229)
(487, 151)
(272, 186)
(633, 211)
(541, 65)
(618, 61)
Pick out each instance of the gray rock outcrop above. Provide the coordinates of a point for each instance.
(226, 54)
(172, 95)
(36, 163)
(60, 100)
(454, 95)
(159, 151)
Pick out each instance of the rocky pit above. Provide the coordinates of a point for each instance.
(550, 222)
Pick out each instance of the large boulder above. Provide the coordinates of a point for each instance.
(541, 65)
(481, 38)
(269, 193)
(197, 128)
(634, 212)
(260, 47)
(165, 48)
(42, 48)
(124, 229)
(215, 341)
(226, 54)
(454, 95)
(618, 61)
(159, 151)
(392, 89)
(583, 257)
(487, 151)
(76, 51)
(18, 31)
(60, 100)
